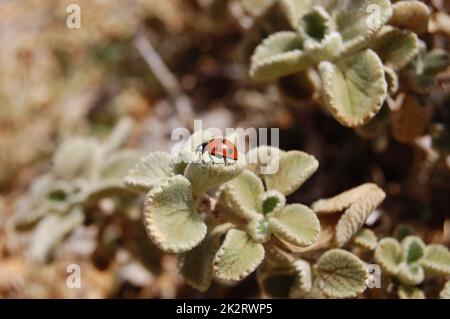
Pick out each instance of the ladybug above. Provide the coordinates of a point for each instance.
(219, 147)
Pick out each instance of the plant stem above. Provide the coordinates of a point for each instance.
(165, 77)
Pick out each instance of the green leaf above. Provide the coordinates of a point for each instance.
(258, 159)
(388, 255)
(75, 158)
(392, 80)
(327, 49)
(413, 249)
(238, 256)
(344, 200)
(436, 259)
(341, 274)
(396, 47)
(291, 171)
(321, 43)
(278, 55)
(257, 7)
(425, 67)
(315, 24)
(119, 134)
(358, 20)
(118, 164)
(277, 258)
(93, 193)
(50, 231)
(205, 176)
(354, 88)
(33, 207)
(294, 10)
(296, 224)
(434, 62)
(361, 201)
(151, 171)
(445, 292)
(302, 280)
(241, 194)
(271, 202)
(410, 274)
(412, 15)
(258, 229)
(409, 292)
(196, 265)
(170, 217)
(366, 239)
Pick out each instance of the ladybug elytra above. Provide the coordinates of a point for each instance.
(219, 147)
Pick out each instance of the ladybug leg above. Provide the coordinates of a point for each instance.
(212, 159)
(201, 158)
(226, 162)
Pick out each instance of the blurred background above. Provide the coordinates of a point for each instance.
(156, 66)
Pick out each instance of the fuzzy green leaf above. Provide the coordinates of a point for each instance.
(410, 274)
(341, 274)
(413, 249)
(278, 55)
(118, 164)
(241, 194)
(412, 15)
(257, 7)
(358, 20)
(409, 292)
(31, 208)
(392, 80)
(294, 10)
(296, 224)
(436, 259)
(315, 24)
(366, 239)
(205, 176)
(95, 192)
(388, 255)
(271, 202)
(170, 217)
(258, 229)
(357, 204)
(238, 256)
(344, 200)
(196, 265)
(302, 280)
(50, 231)
(277, 258)
(396, 47)
(355, 88)
(425, 67)
(75, 158)
(258, 159)
(294, 168)
(151, 171)
(119, 134)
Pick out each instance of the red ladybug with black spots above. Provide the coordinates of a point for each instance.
(219, 147)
